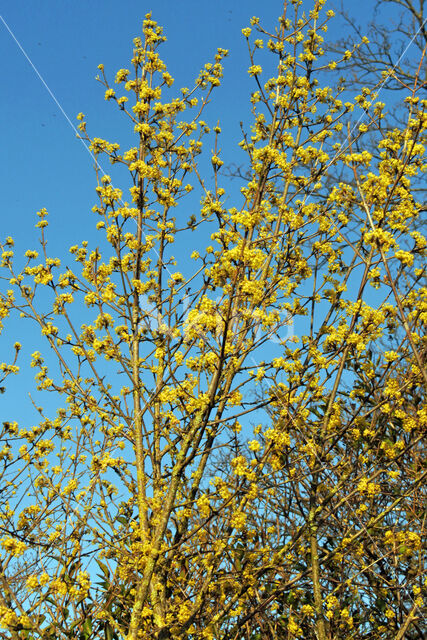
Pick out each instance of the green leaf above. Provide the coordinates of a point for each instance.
(103, 568)
(109, 632)
(87, 628)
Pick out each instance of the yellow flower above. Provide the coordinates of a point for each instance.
(405, 257)
(13, 546)
(32, 582)
(293, 627)
(122, 75)
(255, 70)
(238, 520)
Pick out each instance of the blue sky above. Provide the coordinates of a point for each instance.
(42, 163)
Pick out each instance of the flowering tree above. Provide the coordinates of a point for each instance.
(393, 59)
(143, 507)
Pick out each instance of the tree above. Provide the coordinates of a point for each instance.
(393, 59)
(145, 505)
(396, 54)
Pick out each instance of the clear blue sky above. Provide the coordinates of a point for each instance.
(42, 163)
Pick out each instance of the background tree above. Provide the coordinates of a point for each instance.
(148, 507)
(395, 51)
